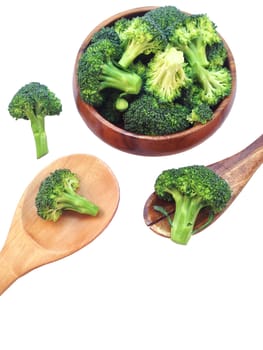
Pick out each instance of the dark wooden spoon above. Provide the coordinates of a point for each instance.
(236, 170)
(32, 241)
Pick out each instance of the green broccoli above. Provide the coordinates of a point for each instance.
(192, 188)
(166, 17)
(34, 102)
(57, 193)
(98, 71)
(195, 34)
(200, 114)
(147, 116)
(138, 36)
(166, 74)
(216, 54)
(106, 33)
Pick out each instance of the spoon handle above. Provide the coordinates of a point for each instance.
(239, 168)
(7, 275)
(20, 253)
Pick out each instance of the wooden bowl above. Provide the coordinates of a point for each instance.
(141, 144)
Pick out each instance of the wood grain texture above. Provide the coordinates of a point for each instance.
(32, 241)
(236, 170)
(148, 145)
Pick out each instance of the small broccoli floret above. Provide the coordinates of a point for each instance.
(216, 54)
(166, 74)
(33, 102)
(97, 71)
(138, 35)
(200, 114)
(106, 33)
(166, 17)
(147, 116)
(57, 193)
(192, 188)
(194, 37)
(139, 67)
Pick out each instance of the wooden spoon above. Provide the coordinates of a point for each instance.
(236, 170)
(32, 241)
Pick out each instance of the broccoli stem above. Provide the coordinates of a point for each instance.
(38, 128)
(187, 210)
(77, 203)
(132, 50)
(199, 50)
(41, 143)
(115, 77)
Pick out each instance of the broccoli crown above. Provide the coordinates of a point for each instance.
(166, 74)
(97, 71)
(34, 101)
(216, 83)
(147, 116)
(197, 37)
(139, 35)
(57, 193)
(197, 182)
(216, 54)
(201, 113)
(166, 17)
(193, 36)
(191, 188)
(106, 33)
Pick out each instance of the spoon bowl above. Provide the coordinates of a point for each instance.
(236, 170)
(32, 241)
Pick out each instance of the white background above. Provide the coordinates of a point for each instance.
(131, 289)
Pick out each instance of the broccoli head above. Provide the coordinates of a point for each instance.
(106, 33)
(195, 37)
(200, 114)
(192, 188)
(216, 54)
(139, 36)
(166, 17)
(97, 71)
(57, 193)
(166, 74)
(33, 102)
(147, 116)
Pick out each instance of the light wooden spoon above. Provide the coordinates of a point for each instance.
(236, 170)
(32, 241)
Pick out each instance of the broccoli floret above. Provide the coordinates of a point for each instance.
(138, 35)
(216, 54)
(195, 34)
(57, 193)
(192, 37)
(166, 17)
(166, 74)
(106, 33)
(97, 71)
(200, 114)
(139, 67)
(192, 188)
(33, 102)
(147, 116)
(216, 83)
